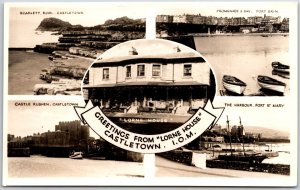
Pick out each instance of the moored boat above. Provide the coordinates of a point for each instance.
(285, 75)
(277, 66)
(76, 155)
(269, 83)
(249, 156)
(233, 84)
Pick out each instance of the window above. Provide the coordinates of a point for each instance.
(187, 70)
(141, 70)
(156, 70)
(106, 73)
(128, 71)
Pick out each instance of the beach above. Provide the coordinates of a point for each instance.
(24, 71)
(25, 68)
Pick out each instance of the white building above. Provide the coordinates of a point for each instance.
(174, 83)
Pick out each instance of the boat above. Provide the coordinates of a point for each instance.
(249, 156)
(269, 83)
(270, 152)
(281, 74)
(76, 155)
(277, 66)
(233, 84)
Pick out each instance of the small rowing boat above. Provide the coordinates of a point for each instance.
(233, 84)
(277, 66)
(76, 155)
(269, 83)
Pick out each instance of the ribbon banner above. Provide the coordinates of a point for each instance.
(193, 128)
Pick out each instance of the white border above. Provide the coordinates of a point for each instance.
(180, 181)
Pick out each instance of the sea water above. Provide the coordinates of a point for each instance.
(23, 34)
(245, 57)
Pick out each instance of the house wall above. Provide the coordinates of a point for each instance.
(169, 73)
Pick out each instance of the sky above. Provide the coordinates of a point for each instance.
(94, 14)
(277, 118)
(86, 15)
(26, 120)
(217, 9)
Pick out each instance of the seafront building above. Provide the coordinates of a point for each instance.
(254, 23)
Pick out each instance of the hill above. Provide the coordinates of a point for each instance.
(53, 24)
(118, 24)
(268, 133)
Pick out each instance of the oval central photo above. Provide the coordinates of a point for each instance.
(149, 86)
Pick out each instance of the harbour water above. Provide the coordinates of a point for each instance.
(283, 149)
(245, 57)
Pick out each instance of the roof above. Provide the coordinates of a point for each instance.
(165, 84)
(178, 57)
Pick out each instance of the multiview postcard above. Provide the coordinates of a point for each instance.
(150, 94)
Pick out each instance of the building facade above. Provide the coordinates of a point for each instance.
(173, 83)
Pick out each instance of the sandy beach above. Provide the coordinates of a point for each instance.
(24, 70)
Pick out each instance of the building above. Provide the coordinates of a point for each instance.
(254, 20)
(234, 130)
(198, 19)
(68, 136)
(164, 18)
(169, 87)
(222, 21)
(216, 128)
(10, 137)
(183, 18)
(285, 25)
(78, 134)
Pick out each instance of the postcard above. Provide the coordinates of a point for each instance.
(150, 94)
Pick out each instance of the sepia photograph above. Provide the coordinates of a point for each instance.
(243, 143)
(232, 38)
(50, 48)
(150, 94)
(47, 139)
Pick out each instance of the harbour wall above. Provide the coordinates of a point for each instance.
(185, 157)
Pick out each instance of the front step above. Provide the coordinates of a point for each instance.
(182, 110)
